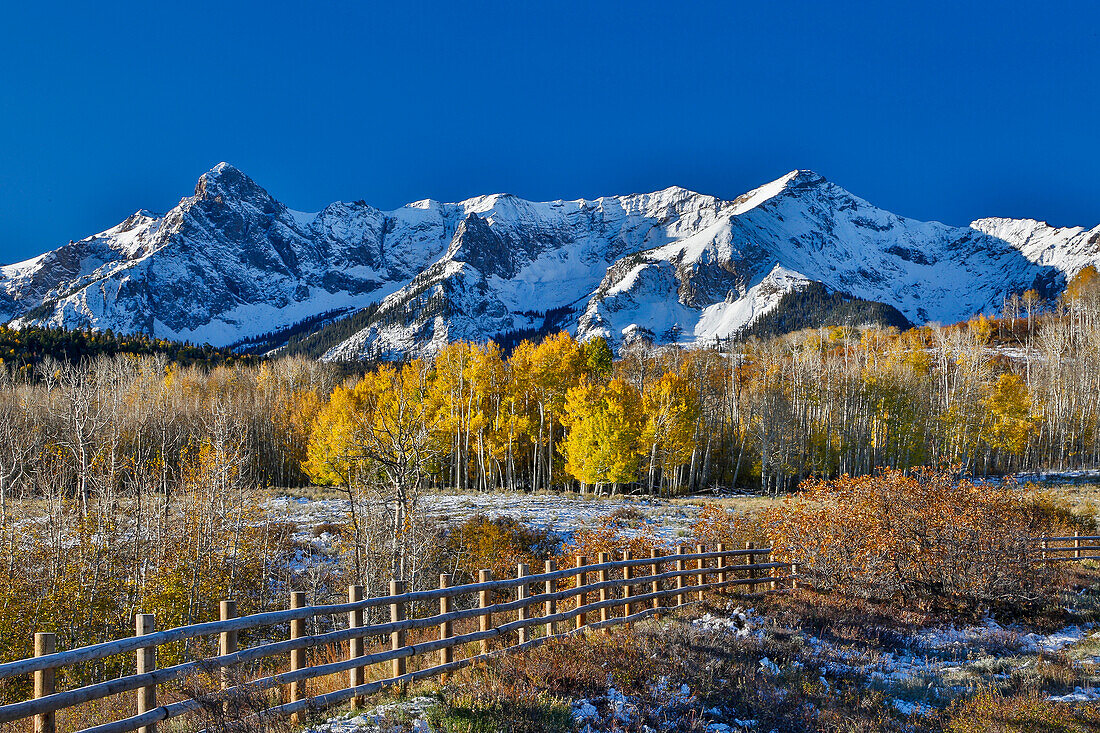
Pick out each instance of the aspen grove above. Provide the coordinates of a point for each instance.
(131, 482)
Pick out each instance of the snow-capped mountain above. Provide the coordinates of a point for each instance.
(231, 263)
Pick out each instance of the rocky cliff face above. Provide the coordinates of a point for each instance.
(232, 263)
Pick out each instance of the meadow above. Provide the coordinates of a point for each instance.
(881, 463)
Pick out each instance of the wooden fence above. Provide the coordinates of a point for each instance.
(566, 602)
(1077, 547)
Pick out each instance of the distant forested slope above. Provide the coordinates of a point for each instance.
(815, 306)
(27, 347)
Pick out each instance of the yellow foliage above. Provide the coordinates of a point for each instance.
(1085, 284)
(672, 407)
(1012, 422)
(605, 427)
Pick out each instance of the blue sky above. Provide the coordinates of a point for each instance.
(937, 110)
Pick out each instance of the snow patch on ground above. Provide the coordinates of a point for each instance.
(738, 623)
(560, 514)
(1079, 694)
(665, 703)
(403, 715)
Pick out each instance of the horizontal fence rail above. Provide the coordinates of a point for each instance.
(1076, 547)
(594, 596)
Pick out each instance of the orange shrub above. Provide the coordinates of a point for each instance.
(613, 534)
(924, 536)
(714, 525)
(497, 544)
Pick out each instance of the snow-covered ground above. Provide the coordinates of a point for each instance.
(1091, 475)
(558, 513)
(924, 671)
(403, 715)
(564, 514)
(315, 546)
(935, 664)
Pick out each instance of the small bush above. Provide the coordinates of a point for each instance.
(925, 537)
(586, 665)
(497, 544)
(238, 710)
(627, 514)
(329, 527)
(489, 711)
(714, 525)
(608, 536)
(989, 711)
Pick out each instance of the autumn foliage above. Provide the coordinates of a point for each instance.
(924, 537)
(497, 544)
(715, 525)
(614, 534)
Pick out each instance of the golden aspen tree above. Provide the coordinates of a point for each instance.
(521, 415)
(488, 375)
(603, 445)
(453, 397)
(671, 407)
(1012, 423)
(556, 366)
(382, 436)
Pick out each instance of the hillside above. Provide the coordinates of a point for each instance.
(30, 346)
(815, 306)
(232, 265)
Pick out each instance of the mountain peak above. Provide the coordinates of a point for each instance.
(678, 191)
(233, 263)
(227, 181)
(794, 182)
(803, 177)
(223, 171)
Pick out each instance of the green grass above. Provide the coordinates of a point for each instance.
(492, 712)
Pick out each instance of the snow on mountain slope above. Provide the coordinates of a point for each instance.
(232, 263)
(815, 230)
(1069, 249)
(227, 262)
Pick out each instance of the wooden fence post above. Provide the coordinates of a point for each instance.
(722, 567)
(605, 593)
(297, 656)
(145, 623)
(628, 589)
(551, 607)
(1044, 545)
(1076, 544)
(794, 576)
(521, 594)
(582, 598)
(680, 550)
(446, 654)
(654, 571)
(44, 643)
(486, 618)
(356, 675)
(702, 565)
(227, 640)
(774, 584)
(397, 638)
(749, 559)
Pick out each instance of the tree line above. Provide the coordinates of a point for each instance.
(130, 481)
(993, 395)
